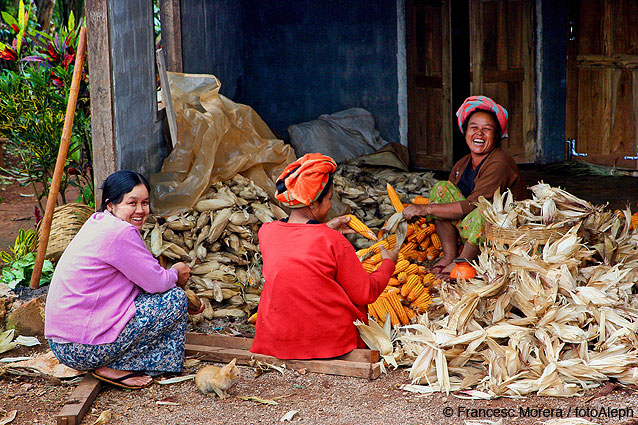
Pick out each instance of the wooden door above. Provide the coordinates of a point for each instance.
(502, 66)
(430, 114)
(602, 81)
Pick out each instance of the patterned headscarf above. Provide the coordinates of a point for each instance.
(482, 103)
(302, 181)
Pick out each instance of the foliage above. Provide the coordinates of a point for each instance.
(33, 105)
(19, 266)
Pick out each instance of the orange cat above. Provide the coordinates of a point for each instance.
(217, 379)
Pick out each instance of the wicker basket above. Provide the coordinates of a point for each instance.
(534, 237)
(67, 220)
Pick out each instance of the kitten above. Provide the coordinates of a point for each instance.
(218, 379)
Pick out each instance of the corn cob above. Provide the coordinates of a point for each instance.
(379, 308)
(410, 313)
(413, 255)
(372, 311)
(412, 269)
(436, 241)
(415, 292)
(401, 266)
(410, 246)
(430, 229)
(388, 307)
(420, 200)
(396, 305)
(369, 267)
(407, 286)
(388, 243)
(391, 290)
(425, 243)
(432, 253)
(394, 282)
(428, 278)
(394, 198)
(421, 304)
(375, 259)
(361, 228)
(402, 277)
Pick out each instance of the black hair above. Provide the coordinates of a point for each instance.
(326, 188)
(499, 132)
(119, 184)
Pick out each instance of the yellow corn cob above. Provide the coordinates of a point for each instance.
(412, 269)
(415, 292)
(394, 198)
(379, 308)
(410, 313)
(423, 298)
(401, 266)
(360, 253)
(428, 278)
(407, 286)
(430, 229)
(420, 200)
(422, 270)
(425, 243)
(419, 236)
(402, 277)
(388, 307)
(375, 259)
(373, 312)
(396, 305)
(394, 282)
(407, 247)
(361, 228)
(400, 256)
(436, 241)
(369, 267)
(432, 253)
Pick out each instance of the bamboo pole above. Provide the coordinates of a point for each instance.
(59, 164)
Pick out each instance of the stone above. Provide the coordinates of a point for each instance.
(28, 319)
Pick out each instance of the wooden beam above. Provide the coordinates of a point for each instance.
(221, 348)
(476, 46)
(170, 17)
(80, 401)
(102, 116)
(330, 367)
(167, 99)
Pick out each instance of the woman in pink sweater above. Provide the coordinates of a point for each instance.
(111, 307)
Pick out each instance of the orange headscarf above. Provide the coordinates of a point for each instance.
(302, 181)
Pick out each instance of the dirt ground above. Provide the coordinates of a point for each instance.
(317, 398)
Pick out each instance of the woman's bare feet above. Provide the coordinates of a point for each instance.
(135, 381)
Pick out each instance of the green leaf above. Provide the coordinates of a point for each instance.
(20, 18)
(10, 20)
(71, 24)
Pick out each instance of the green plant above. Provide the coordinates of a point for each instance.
(19, 266)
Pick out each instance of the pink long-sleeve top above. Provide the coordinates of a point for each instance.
(92, 293)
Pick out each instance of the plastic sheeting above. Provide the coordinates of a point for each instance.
(216, 139)
(343, 135)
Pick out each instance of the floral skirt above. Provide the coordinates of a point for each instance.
(471, 227)
(151, 342)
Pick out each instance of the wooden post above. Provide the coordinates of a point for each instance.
(102, 120)
(166, 96)
(61, 160)
(170, 17)
(80, 401)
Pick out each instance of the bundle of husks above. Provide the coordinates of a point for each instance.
(554, 320)
(218, 240)
(363, 190)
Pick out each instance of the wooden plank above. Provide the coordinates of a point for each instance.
(170, 17)
(476, 46)
(166, 96)
(330, 367)
(102, 116)
(241, 343)
(447, 110)
(600, 61)
(528, 95)
(80, 401)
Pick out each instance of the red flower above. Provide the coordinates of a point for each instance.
(8, 54)
(53, 53)
(15, 28)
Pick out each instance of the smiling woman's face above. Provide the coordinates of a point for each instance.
(134, 207)
(480, 135)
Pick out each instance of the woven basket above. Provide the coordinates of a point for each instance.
(67, 220)
(534, 237)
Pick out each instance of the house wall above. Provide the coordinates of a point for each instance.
(300, 59)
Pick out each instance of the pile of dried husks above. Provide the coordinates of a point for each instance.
(218, 240)
(553, 320)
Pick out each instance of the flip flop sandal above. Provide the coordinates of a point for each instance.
(118, 382)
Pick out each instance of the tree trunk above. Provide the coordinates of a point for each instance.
(45, 12)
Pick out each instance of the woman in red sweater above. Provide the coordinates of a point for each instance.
(315, 286)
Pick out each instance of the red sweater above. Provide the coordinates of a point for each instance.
(315, 288)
